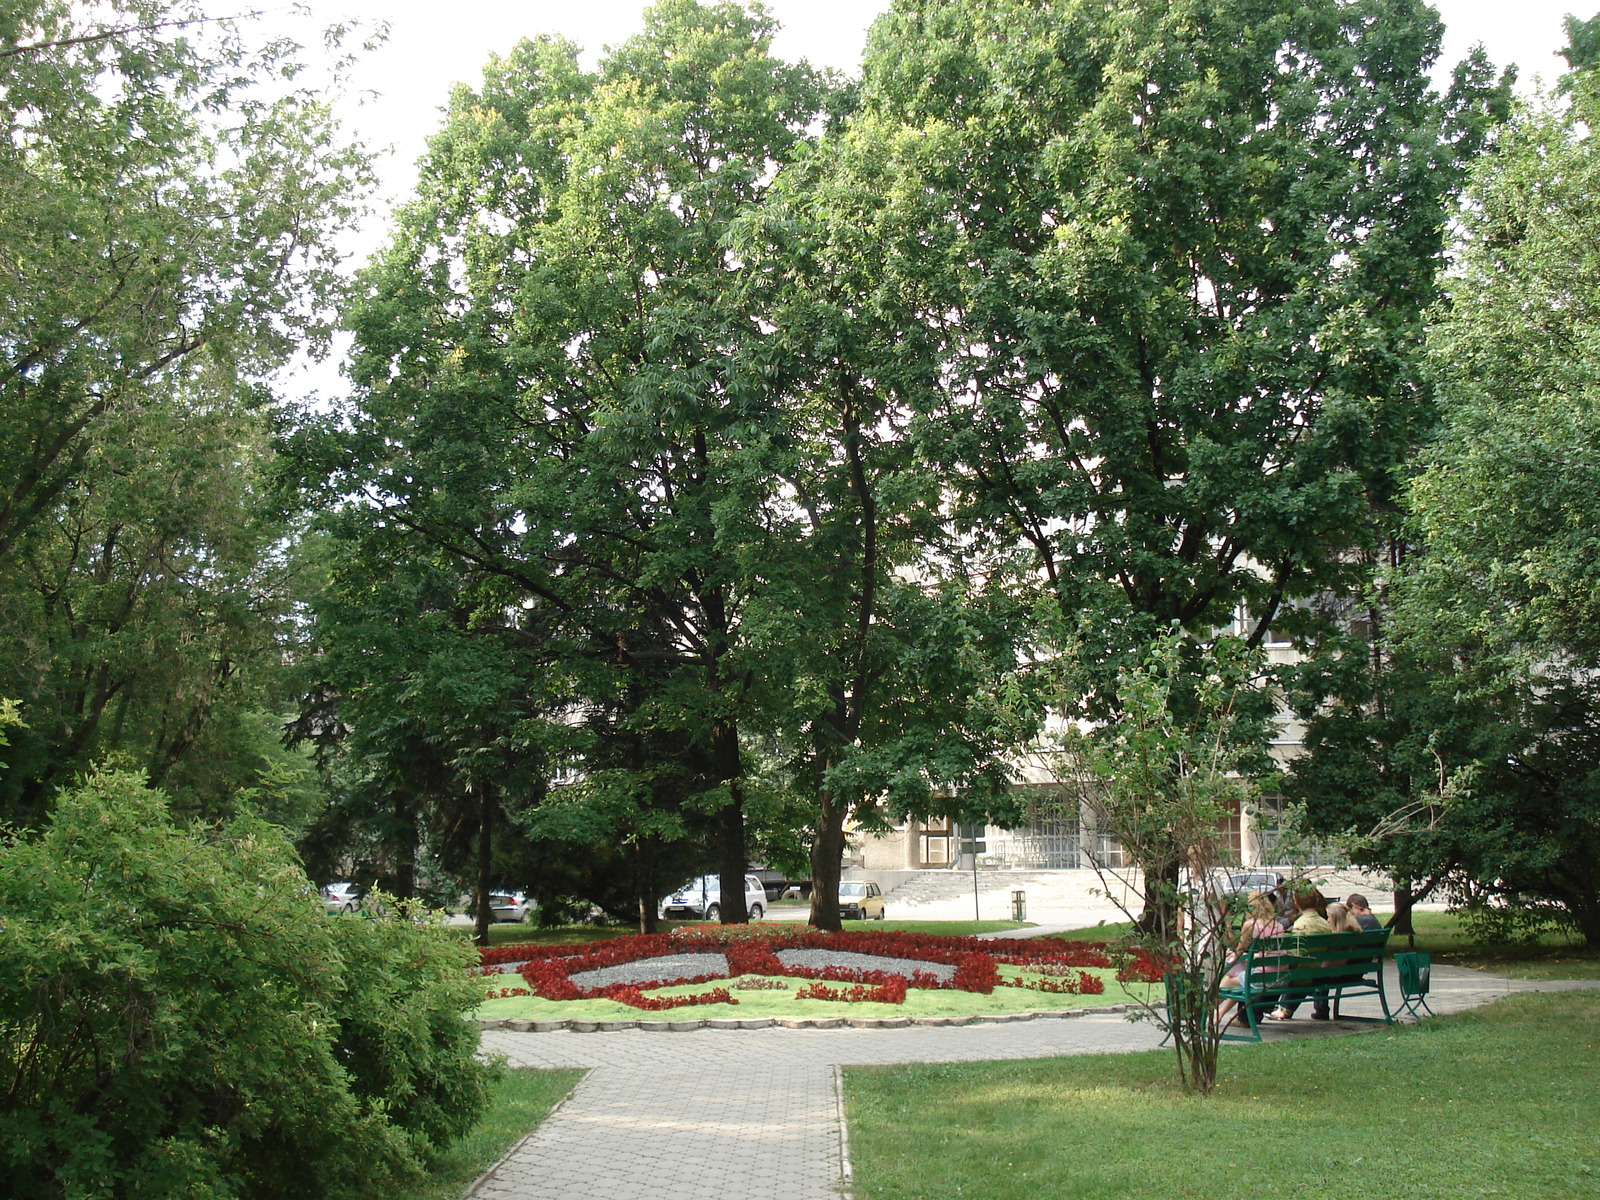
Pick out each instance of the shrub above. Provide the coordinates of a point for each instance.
(177, 1017)
(1516, 922)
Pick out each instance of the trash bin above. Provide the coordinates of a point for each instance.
(1019, 906)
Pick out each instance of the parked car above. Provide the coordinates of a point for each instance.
(1234, 885)
(342, 897)
(701, 899)
(513, 906)
(860, 900)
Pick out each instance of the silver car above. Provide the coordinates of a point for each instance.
(512, 906)
(701, 900)
(342, 897)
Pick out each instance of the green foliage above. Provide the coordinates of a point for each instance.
(1165, 776)
(1171, 261)
(171, 199)
(177, 1017)
(1513, 924)
(1472, 757)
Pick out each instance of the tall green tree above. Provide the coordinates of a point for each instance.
(1172, 259)
(889, 638)
(546, 362)
(1495, 635)
(168, 215)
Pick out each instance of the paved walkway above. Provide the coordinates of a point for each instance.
(758, 1112)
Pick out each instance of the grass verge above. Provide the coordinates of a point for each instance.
(1552, 956)
(1495, 1102)
(520, 1100)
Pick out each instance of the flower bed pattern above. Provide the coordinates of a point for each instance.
(754, 951)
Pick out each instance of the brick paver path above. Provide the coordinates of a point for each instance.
(747, 1113)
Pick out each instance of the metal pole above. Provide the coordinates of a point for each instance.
(975, 915)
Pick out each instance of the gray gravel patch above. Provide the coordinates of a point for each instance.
(665, 969)
(818, 959)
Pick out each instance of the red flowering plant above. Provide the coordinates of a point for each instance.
(1078, 983)
(891, 991)
(754, 951)
(1144, 965)
(628, 993)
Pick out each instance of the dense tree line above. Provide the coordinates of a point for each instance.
(736, 453)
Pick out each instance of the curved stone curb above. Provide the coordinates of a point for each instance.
(660, 1026)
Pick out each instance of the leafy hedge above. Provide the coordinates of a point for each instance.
(177, 1017)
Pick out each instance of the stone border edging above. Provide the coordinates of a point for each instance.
(514, 1025)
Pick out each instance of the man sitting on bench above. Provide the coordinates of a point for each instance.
(1312, 909)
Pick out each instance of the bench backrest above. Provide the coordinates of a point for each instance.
(1308, 957)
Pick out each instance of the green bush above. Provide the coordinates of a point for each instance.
(1519, 921)
(178, 1018)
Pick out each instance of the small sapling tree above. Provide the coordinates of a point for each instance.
(1165, 777)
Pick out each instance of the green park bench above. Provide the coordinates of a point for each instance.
(1296, 967)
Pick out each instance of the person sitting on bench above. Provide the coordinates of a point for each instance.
(1261, 923)
(1362, 912)
(1311, 908)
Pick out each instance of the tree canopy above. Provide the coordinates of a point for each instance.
(169, 212)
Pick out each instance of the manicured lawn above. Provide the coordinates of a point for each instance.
(1501, 1101)
(946, 928)
(516, 933)
(1108, 931)
(520, 1100)
(1551, 957)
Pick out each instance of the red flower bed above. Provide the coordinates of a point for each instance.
(754, 951)
(1082, 984)
(628, 993)
(891, 991)
(1144, 966)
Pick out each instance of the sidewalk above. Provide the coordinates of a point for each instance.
(758, 1112)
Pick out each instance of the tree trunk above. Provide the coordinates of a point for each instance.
(1401, 921)
(1160, 916)
(485, 847)
(732, 856)
(827, 857)
(1583, 906)
(644, 882)
(405, 846)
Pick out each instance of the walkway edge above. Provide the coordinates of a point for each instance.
(522, 1141)
(847, 1173)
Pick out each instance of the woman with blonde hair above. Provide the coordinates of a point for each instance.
(1340, 919)
(1262, 922)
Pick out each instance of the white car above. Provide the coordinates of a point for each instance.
(701, 899)
(342, 897)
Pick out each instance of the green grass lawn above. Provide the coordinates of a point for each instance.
(1551, 957)
(1501, 1101)
(519, 1101)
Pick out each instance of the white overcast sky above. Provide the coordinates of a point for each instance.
(406, 81)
